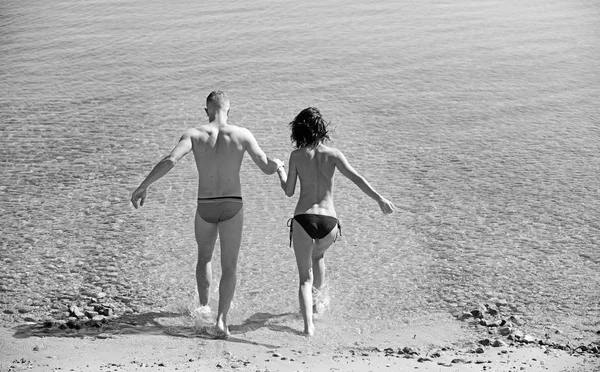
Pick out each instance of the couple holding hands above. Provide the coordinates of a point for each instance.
(218, 149)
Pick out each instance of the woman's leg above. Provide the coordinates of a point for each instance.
(318, 258)
(303, 247)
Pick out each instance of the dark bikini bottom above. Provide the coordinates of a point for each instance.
(317, 226)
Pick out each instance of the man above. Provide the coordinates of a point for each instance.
(218, 149)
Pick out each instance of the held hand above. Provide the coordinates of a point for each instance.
(279, 163)
(386, 206)
(139, 193)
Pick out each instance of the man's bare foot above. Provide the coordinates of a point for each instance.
(216, 332)
(222, 329)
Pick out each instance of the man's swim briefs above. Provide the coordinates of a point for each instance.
(219, 209)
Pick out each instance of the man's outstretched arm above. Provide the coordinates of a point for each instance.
(162, 167)
(288, 181)
(266, 165)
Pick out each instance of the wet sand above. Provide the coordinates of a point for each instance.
(261, 351)
(169, 342)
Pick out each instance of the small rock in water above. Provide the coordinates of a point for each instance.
(76, 312)
(436, 354)
(465, 315)
(410, 350)
(516, 335)
(497, 323)
(501, 303)
(490, 309)
(515, 319)
(73, 324)
(477, 314)
(23, 309)
(91, 314)
(499, 343)
(505, 331)
(555, 330)
(458, 361)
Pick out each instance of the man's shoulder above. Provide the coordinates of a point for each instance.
(240, 133)
(195, 133)
(238, 129)
(211, 129)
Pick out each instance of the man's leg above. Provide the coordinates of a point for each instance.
(230, 234)
(303, 247)
(206, 236)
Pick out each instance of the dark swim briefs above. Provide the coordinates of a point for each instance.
(219, 209)
(317, 226)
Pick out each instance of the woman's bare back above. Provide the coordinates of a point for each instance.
(315, 168)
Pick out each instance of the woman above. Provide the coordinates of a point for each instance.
(315, 226)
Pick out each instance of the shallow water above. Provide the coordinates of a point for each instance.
(479, 120)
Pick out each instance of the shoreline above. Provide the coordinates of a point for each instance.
(167, 353)
(160, 341)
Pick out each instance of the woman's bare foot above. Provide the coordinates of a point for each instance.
(309, 329)
(320, 300)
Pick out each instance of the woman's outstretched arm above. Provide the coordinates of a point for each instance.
(349, 172)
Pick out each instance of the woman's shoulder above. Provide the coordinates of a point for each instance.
(297, 152)
(328, 150)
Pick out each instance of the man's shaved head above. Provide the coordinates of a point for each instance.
(217, 100)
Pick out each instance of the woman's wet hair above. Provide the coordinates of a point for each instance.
(308, 128)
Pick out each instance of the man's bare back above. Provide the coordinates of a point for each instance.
(219, 150)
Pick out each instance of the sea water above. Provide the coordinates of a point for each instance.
(479, 120)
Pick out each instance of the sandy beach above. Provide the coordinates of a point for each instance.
(165, 342)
